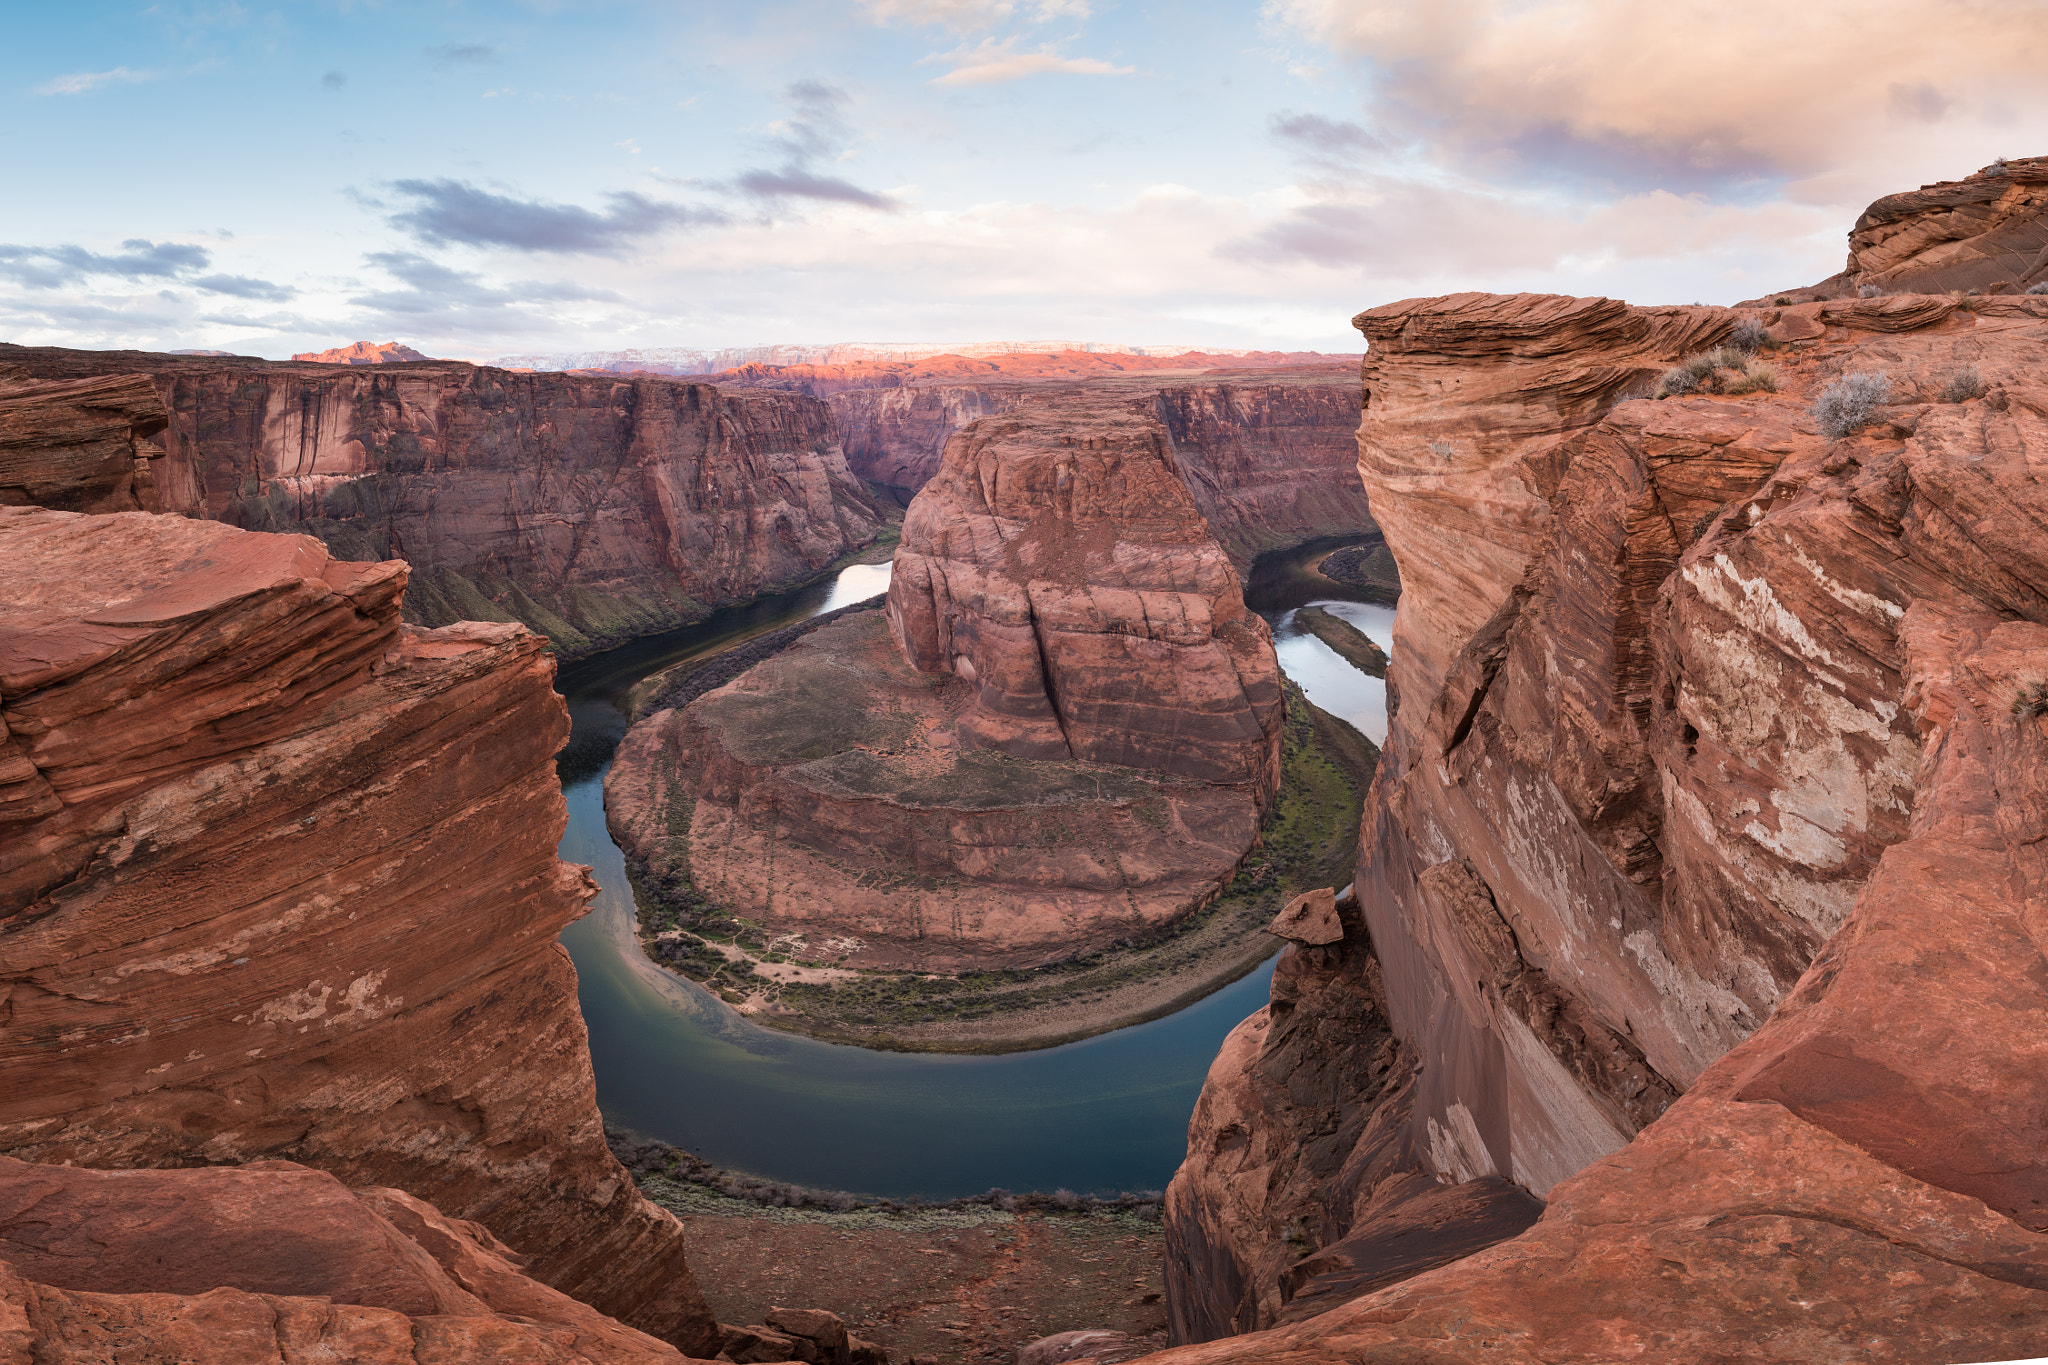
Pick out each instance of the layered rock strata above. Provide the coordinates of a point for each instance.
(1987, 232)
(1063, 732)
(279, 881)
(1058, 566)
(273, 1263)
(1267, 454)
(1742, 731)
(79, 445)
(590, 509)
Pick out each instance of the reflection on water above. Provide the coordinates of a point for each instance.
(1329, 681)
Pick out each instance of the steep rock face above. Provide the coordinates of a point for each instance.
(1268, 454)
(1748, 735)
(1058, 565)
(279, 880)
(80, 445)
(272, 1262)
(591, 509)
(1988, 231)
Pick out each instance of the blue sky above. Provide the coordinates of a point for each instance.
(479, 180)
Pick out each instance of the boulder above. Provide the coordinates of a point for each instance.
(1310, 918)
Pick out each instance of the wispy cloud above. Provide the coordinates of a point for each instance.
(455, 212)
(139, 260)
(991, 61)
(816, 131)
(81, 82)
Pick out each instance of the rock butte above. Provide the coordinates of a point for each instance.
(1064, 730)
(279, 881)
(591, 509)
(1268, 454)
(1697, 873)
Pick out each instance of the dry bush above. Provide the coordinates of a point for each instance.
(1850, 401)
(1965, 384)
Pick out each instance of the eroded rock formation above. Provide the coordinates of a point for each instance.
(364, 353)
(1705, 720)
(1988, 232)
(590, 509)
(1063, 732)
(279, 881)
(273, 1263)
(79, 445)
(1268, 454)
(1058, 565)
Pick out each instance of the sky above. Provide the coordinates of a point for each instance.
(526, 176)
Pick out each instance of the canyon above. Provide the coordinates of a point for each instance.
(1267, 453)
(1686, 1004)
(1707, 818)
(592, 510)
(1063, 731)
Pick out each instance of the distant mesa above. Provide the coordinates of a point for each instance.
(198, 352)
(360, 353)
(1096, 356)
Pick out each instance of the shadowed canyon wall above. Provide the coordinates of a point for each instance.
(590, 509)
(279, 881)
(1708, 816)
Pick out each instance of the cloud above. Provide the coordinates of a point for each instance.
(47, 267)
(436, 296)
(454, 212)
(80, 82)
(1322, 139)
(992, 61)
(965, 16)
(462, 54)
(334, 80)
(815, 132)
(243, 287)
(1712, 96)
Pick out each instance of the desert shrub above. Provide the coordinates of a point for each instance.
(1870, 291)
(2032, 701)
(1850, 401)
(1784, 303)
(1755, 377)
(1965, 384)
(1749, 336)
(1676, 382)
(2040, 288)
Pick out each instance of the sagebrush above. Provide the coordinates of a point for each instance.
(1850, 401)
(1965, 384)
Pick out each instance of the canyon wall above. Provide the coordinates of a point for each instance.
(1705, 719)
(1268, 454)
(590, 509)
(279, 881)
(79, 445)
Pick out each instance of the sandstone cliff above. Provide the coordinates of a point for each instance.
(1268, 454)
(1058, 565)
(79, 445)
(279, 881)
(364, 353)
(1063, 733)
(1704, 719)
(590, 509)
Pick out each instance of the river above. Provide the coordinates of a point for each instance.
(1102, 1116)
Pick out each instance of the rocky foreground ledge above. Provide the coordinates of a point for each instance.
(278, 885)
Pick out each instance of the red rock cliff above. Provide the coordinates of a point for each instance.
(1705, 720)
(1058, 564)
(279, 880)
(1268, 454)
(592, 509)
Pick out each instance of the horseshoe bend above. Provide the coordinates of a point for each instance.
(1668, 985)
